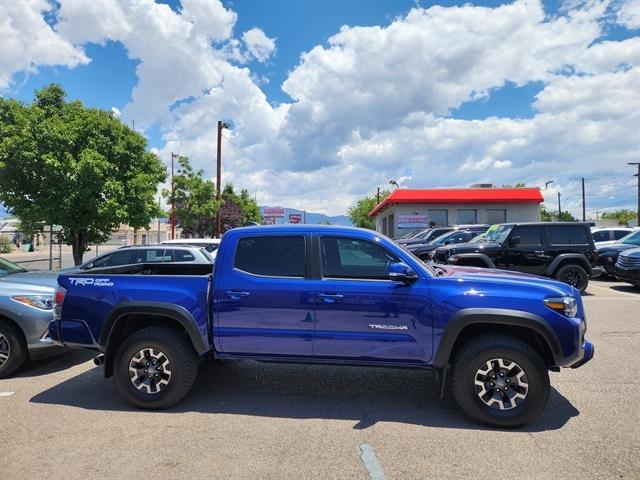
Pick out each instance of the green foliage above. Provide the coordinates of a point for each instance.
(194, 200)
(359, 213)
(5, 244)
(551, 216)
(623, 216)
(76, 167)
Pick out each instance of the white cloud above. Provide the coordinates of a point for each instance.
(629, 14)
(28, 41)
(258, 44)
(374, 103)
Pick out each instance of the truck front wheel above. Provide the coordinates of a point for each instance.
(155, 368)
(500, 381)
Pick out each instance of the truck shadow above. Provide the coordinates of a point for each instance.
(364, 395)
(54, 363)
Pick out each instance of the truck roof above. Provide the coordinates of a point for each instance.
(301, 228)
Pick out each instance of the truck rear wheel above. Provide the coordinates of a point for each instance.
(155, 368)
(500, 381)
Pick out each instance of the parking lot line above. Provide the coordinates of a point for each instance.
(6, 394)
(370, 461)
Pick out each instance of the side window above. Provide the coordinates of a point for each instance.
(123, 257)
(617, 234)
(601, 236)
(529, 236)
(155, 255)
(352, 258)
(271, 256)
(183, 256)
(567, 235)
(101, 262)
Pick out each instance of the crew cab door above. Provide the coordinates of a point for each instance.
(263, 304)
(360, 313)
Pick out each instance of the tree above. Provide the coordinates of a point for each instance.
(623, 216)
(247, 208)
(359, 213)
(80, 168)
(194, 201)
(548, 216)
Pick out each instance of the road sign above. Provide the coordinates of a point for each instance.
(273, 212)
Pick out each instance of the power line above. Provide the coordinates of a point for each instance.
(248, 155)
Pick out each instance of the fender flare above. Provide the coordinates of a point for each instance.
(569, 256)
(160, 309)
(479, 316)
(453, 259)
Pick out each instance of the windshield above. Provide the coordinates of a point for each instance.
(444, 237)
(411, 233)
(7, 268)
(480, 238)
(497, 233)
(631, 239)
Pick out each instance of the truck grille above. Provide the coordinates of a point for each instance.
(628, 263)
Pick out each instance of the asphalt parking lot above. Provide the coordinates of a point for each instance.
(60, 419)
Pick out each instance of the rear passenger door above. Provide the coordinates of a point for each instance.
(262, 299)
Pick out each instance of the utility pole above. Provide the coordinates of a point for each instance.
(378, 196)
(559, 208)
(584, 207)
(173, 200)
(637, 164)
(221, 125)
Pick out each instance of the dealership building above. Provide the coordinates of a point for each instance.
(407, 209)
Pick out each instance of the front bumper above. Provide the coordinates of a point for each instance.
(587, 354)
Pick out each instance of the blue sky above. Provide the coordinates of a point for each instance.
(501, 119)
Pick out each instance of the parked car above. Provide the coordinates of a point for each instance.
(209, 244)
(327, 295)
(608, 255)
(26, 308)
(147, 254)
(564, 251)
(434, 232)
(424, 251)
(628, 267)
(603, 236)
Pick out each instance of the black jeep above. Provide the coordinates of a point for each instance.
(564, 251)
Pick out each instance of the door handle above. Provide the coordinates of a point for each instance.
(236, 294)
(330, 295)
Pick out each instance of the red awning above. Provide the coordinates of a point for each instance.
(460, 195)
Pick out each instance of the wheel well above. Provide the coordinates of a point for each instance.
(8, 321)
(571, 261)
(130, 323)
(524, 334)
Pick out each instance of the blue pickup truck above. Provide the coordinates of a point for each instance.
(332, 295)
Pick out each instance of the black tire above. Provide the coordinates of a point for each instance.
(574, 275)
(180, 364)
(14, 347)
(478, 352)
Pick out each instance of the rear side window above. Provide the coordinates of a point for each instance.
(123, 257)
(155, 255)
(271, 256)
(567, 235)
(601, 236)
(352, 258)
(183, 256)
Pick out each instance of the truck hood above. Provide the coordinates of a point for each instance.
(479, 276)
(42, 279)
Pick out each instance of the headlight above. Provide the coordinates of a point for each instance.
(41, 302)
(565, 305)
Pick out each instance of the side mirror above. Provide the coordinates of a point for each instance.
(514, 241)
(401, 272)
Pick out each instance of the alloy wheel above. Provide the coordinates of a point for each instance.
(501, 384)
(5, 349)
(150, 370)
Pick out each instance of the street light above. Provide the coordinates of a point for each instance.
(546, 184)
(221, 126)
(394, 182)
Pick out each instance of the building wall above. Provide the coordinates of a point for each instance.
(515, 212)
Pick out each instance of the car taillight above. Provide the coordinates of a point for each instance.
(596, 255)
(57, 302)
